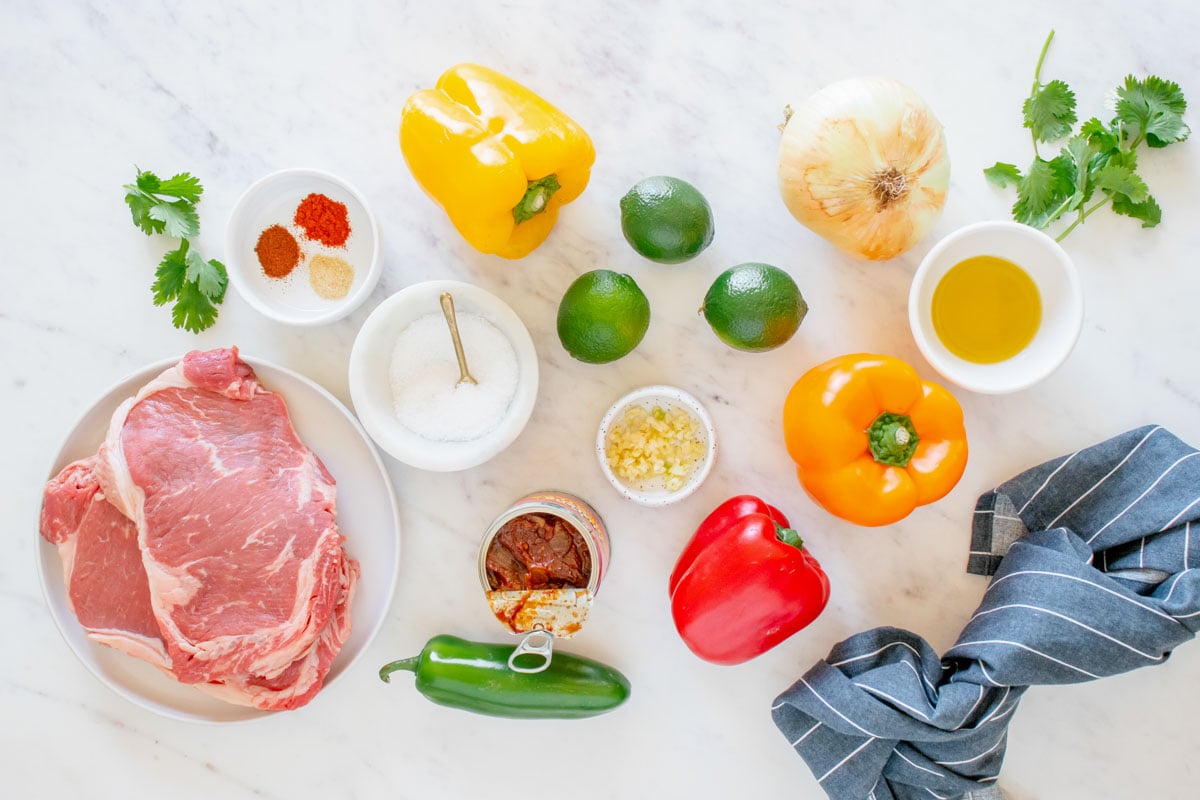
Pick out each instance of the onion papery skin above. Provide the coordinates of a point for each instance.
(863, 163)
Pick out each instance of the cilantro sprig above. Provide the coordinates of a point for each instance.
(1097, 166)
(168, 207)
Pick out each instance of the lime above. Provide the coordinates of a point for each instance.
(666, 220)
(754, 307)
(602, 317)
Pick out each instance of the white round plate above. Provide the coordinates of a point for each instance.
(367, 516)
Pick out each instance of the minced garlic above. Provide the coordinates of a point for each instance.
(648, 445)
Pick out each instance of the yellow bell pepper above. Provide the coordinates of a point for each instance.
(496, 157)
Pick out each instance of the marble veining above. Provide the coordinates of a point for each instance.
(231, 93)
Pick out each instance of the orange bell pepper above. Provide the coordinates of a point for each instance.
(871, 440)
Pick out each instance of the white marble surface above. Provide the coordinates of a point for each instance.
(90, 90)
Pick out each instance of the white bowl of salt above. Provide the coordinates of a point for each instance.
(406, 383)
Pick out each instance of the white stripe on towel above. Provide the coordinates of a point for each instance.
(1095, 486)
(815, 694)
(1035, 651)
(1021, 510)
(1113, 639)
(1134, 603)
(1143, 494)
(838, 765)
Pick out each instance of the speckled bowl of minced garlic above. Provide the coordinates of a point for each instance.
(656, 445)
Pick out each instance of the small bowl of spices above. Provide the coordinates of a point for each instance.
(656, 445)
(443, 375)
(303, 247)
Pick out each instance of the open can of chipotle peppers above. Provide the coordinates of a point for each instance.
(542, 561)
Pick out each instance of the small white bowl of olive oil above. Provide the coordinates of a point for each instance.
(995, 307)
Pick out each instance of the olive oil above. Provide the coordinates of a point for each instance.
(986, 309)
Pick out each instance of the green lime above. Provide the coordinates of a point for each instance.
(602, 317)
(754, 307)
(666, 220)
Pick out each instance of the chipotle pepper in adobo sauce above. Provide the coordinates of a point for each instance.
(538, 551)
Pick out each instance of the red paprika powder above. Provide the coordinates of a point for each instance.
(323, 220)
(277, 252)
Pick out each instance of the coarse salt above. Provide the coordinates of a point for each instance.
(427, 397)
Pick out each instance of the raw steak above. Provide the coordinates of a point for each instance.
(300, 682)
(107, 590)
(102, 565)
(235, 519)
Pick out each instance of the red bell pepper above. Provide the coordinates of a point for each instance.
(744, 583)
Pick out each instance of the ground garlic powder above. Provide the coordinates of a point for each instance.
(330, 276)
(647, 445)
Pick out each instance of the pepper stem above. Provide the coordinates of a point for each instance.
(537, 197)
(410, 664)
(788, 536)
(892, 439)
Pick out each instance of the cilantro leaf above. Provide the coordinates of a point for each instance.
(171, 275)
(196, 286)
(1100, 159)
(1003, 175)
(1115, 179)
(209, 276)
(1154, 108)
(1117, 157)
(182, 186)
(139, 208)
(1147, 210)
(153, 214)
(1050, 111)
(147, 181)
(220, 268)
(1077, 154)
(1099, 135)
(1044, 192)
(194, 310)
(179, 218)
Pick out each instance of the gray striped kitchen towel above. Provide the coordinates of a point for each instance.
(1094, 574)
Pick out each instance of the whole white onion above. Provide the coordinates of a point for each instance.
(863, 163)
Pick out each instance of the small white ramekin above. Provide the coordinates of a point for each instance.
(667, 397)
(1058, 285)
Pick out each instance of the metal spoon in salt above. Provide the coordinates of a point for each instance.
(452, 322)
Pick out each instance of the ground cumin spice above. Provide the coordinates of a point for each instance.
(277, 251)
(323, 220)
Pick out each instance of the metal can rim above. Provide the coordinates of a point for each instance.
(531, 504)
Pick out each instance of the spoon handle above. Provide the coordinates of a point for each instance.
(452, 322)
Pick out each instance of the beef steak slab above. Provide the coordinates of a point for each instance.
(202, 537)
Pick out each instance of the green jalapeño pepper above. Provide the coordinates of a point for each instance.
(476, 677)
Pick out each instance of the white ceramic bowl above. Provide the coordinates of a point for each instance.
(370, 375)
(1057, 282)
(666, 397)
(272, 201)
